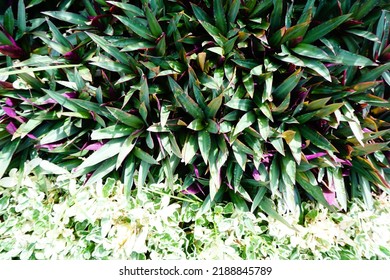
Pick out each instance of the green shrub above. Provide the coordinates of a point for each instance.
(247, 101)
(56, 217)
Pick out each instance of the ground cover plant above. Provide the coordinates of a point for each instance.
(67, 220)
(265, 104)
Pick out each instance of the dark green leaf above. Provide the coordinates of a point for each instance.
(324, 28)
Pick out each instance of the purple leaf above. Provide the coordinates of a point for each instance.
(6, 85)
(11, 128)
(316, 155)
(194, 189)
(9, 111)
(256, 175)
(32, 136)
(9, 102)
(12, 51)
(72, 56)
(70, 95)
(93, 147)
(330, 197)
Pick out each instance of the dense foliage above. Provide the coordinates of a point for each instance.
(248, 101)
(67, 220)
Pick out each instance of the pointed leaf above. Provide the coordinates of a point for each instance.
(316, 138)
(315, 191)
(246, 120)
(310, 51)
(67, 17)
(190, 148)
(137, 27)
(185, 100)
(154, 26)
(267, 206)
(126, 118)
(324, 28)
(219, 16)
(144, 156)
(6, 155)
(204, 142)
(287, 85)
(214, 106)
(108, 150)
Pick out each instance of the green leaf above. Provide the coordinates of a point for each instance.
(364, 34)
(104, 169)
(135, 44)
(109, 49)
(240, 156)
(328, 110)
(366, 192)
(336, 178)
(57, 35)
(237, 175)
(6, 154)
(364, 9)
(310, 51)
(324, 28)
(351, 59)
(258, 198)
(294, 141)
(219, 16)
(249, 84)
(197, 125)
(137, 27)
(144, 156)
(274, 175)
(287, 85)
(359, 150)
(278, 145)
(185, 100)
(154, 26)
(233, 11)
(318, 67)
(67, 17)
(204, 142)
(67, 103)
(276, 17)
(21, 20)
(246, 121)
(190, 148)
(36, 69)
(240, 104)
(373, 74)
(108, 150)
(126, 149)
(307, 12)
(267, 206)
(365, 168)
(110, 132)
(61, 132)
(213, 106)
(128, 7)
(305, 180)
(295, 32)
(9, 21)
(126, 118)
(214, 32)
(317, 104)
(113, 66)
(316, 138)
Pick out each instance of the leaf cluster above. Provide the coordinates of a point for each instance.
(245, 101)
